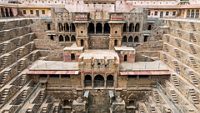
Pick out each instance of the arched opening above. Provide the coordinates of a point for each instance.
(88, 81)
(7, 14)
(98, 81)
(66, 103)
(124, 39)
(137, 27)
(125, 58)
(131, 102)
(106, 28)
(110, 81)
(67, 38)
(73, 38)
(73, 57)
(145, 38)
(91, 28)
(2, 12)
(82, 42)
(115, 43)
(61, 39)
(99, 28)
(130, 39)
(124, 27)
(66, 26)
(136, 39)
(60, 27)
(131, 27)
(149, 27)
(73, 29)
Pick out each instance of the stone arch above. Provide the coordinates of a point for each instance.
(73, 38)
(130, 39)
(106, 28)
(67, 38)
(82, 42)
(124, 39)
(137, 27)
(99, 28)
(66, 27)
(125, 27)
(131, 27)
(110, 81)
(60, 27)
(91, 28)
(87, 80)
(61, 39)
(136, 39)
(73, 28)
(99, 81)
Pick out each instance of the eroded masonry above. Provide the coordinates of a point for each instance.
(99, 62)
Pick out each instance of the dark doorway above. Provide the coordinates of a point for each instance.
(98, 81)
(88, 81)
(72, 56)
(106, 28)
(124, 39)
(131, 27)
(110, 81)
(137, 27)
(66, 26)
(48, 26)
(125, 58)
(7, 14)
(136, 39)
(91, 28)
(145, 38)
(60, 27)
(130, 39)
(115, 43)
(11, 12)
(73, 38)
(124, 28)
(73, 29)
(67, 38)
(82, 42)
(61, 38)
(99, 28)
(149, 27)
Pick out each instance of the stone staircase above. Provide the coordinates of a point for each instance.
(192, 38)
(175, 80)
(193, 78)
(194, 97)
(193, 62)
(156, 96)
(177, 53)
(4, 95)
(193, 49)
(174, 96)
